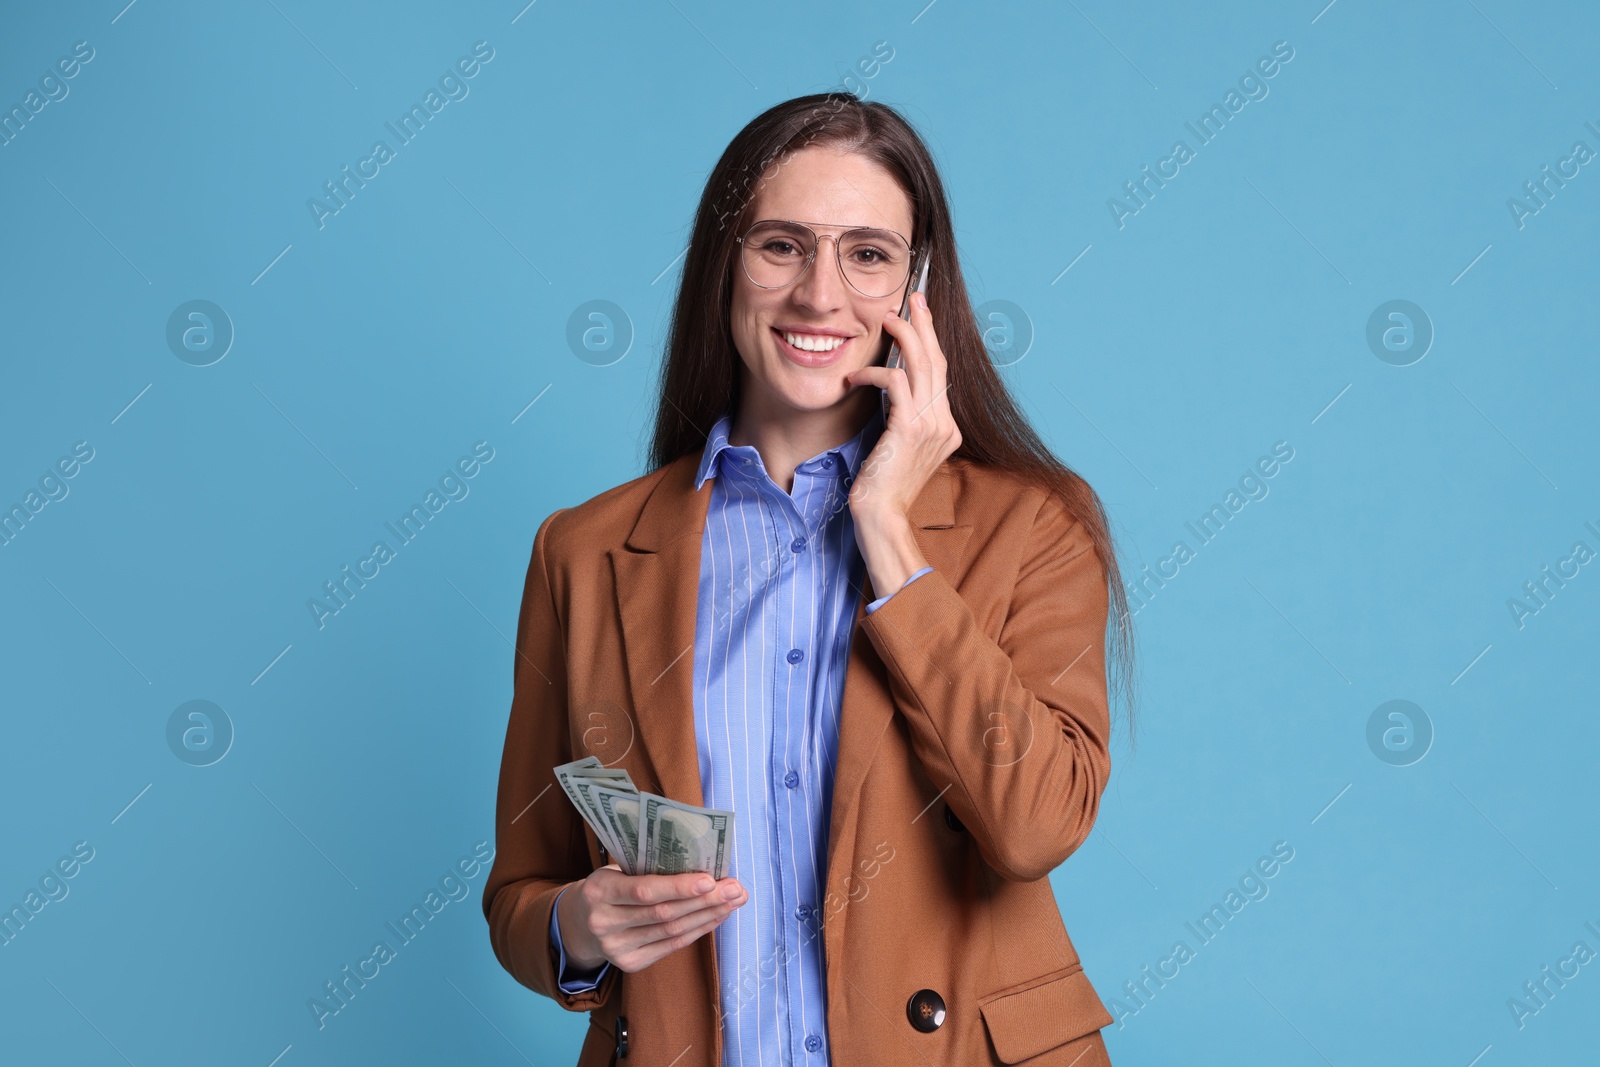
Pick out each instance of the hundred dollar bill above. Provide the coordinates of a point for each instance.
(591, 767)
(567, 773)
(575, 789)
(576, 779)
(620, 809)
(680, 838)
(618, 846)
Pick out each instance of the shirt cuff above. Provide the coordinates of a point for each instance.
(881, 601)
(570, 979)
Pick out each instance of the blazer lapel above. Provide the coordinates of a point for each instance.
(867, 706)
(657, 576)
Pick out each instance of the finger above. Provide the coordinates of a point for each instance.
(638, 957)
(695, 921)
(920, 366)
(669, 937)
(904, 333)
(878, 376)
(646, 889)
(898, 383)
(667, 912)
(893, 381)
(897, 327)
(910, 341)
(936, 357)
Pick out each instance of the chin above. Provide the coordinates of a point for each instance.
(817, 396)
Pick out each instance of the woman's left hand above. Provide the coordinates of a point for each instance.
(921, 432)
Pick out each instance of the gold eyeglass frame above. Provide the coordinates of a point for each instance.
(816, 245)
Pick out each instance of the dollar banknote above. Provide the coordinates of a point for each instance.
(680, 837)
(577, 779)
(620, 810)
(643, 832)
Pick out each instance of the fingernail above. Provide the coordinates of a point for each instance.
(704, 885)
(730, 891)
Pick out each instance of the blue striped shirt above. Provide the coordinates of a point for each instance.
(780, 575)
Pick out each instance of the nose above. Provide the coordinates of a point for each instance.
(823, 286)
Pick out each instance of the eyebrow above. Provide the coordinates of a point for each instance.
(842, 225)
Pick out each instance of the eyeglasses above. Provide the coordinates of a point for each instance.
(775, 253)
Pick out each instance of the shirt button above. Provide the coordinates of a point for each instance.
(828, 462)
(801, 911)
(813, 1043)
(798, 544)
(795, 655)
(791, 779)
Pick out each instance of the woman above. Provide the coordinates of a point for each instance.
(881, 643)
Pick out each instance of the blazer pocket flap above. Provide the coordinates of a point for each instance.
(1026, 1022)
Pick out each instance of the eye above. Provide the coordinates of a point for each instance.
(780, 246)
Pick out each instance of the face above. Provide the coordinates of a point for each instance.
(831, 190)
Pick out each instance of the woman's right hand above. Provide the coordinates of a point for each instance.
(632, 920)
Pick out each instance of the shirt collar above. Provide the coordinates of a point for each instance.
(845, 459)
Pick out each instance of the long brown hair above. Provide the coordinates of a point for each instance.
(699, 378)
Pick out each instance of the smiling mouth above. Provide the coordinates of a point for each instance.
(811, 349)
(813, 342)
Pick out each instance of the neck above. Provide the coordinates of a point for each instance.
(787, 437)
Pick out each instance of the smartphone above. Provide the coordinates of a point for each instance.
(894, 358)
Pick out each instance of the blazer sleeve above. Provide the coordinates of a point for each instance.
(540, 847)
(1019, 728)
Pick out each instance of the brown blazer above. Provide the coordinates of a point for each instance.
(973, 751)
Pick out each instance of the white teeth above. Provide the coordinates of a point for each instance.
(813, 342)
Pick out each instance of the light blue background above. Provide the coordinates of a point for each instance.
(1227, 315)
